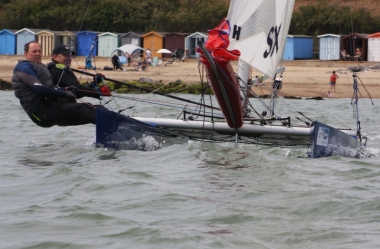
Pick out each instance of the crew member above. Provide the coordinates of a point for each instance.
(42, 101)
(63, 76)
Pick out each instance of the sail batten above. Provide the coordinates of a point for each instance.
(258, 30)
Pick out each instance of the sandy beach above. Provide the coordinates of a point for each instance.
(304, 78)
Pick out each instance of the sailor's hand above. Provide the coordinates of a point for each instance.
(69, 95)
(105, 91)
(72, 89)
(98, 78)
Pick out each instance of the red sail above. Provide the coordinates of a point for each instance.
(217, 44)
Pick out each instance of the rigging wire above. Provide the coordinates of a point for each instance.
(85, 15)
(158, 15)
(104, 11)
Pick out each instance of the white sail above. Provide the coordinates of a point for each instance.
(258, 30)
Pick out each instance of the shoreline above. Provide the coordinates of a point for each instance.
(302, 78)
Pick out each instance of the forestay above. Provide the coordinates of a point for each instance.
(258, 30)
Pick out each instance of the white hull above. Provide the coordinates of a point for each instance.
(246, 129)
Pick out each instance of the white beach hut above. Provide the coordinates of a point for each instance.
(108, 42)
(329, 47)
(374, 47)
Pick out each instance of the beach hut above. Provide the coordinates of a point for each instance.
(7, 42)
(374, 47)
(154, 41)
(67, 38)
(47, 40)
(298, 47)
(191, 43)
(108, 42)
(87, 43)
(356, 41)
(175, 42)
(24, 36)
(329, 47)
(132, 38)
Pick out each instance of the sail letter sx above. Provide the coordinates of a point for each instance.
(270, 41)
(236, 32)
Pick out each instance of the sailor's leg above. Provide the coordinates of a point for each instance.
(70, 114)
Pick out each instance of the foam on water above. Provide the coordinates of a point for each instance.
(338, 150)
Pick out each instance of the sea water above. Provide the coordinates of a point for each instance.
(57, 190)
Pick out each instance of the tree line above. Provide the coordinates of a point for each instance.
(118, 16)
(324, 18)
(188, 16)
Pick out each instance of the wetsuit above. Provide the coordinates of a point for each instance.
(63, 76)
(44, 104)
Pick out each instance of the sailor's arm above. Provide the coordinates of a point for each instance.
(26, 73)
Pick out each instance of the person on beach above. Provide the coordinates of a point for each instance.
(358, 55)
(148, 54)
(329, 94)
(63, 76)
(144, 65)
(333, 79)
(128, 59)
(345, 55)
(116, 62)
(46, 105)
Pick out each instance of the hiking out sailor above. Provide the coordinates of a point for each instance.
(63, 76)
(41, 100)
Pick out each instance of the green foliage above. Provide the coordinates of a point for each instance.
(323, 18)
(113, 15)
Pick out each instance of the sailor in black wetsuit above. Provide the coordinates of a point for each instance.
(63, 76)
(42, 101)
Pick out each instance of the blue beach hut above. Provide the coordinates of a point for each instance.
(298, 47)
(329, 47)
(7, 42)
(24, 36)
(87, 43)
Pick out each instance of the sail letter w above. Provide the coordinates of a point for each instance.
(270, 41)
(236, 32)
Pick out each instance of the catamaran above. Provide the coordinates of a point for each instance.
(254, 33)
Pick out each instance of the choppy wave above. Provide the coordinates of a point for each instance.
(339, 150)
(57, 190)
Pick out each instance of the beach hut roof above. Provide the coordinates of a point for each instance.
(47, 31)
(176, 33)
(162, 34)
(88, 31)
(33, 31)
(198, 33)
(107, 33)
(138, 34)
(66, 33)
(375, 35)
(8, 31)
(360, 35)
(329, 35)
(300, 36)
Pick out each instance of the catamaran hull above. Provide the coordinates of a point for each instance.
(114, 129)
(244, 130)
(328, 140)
